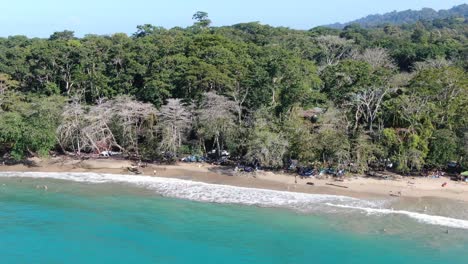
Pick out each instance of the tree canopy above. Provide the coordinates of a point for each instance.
(337, 96)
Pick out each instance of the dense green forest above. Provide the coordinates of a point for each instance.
(352, 97)
(406, 17)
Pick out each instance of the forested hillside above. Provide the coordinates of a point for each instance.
(348, 97)
(407, 16)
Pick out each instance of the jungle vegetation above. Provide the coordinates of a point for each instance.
(351, 96)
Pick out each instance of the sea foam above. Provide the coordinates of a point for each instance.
(422, 218)
(215, 193)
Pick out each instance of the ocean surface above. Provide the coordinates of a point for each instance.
(98, 218)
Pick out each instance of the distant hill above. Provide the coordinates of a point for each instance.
(408, 16)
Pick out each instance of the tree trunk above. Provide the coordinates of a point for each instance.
(218, 147)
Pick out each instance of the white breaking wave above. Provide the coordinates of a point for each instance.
(200, 191)
(215, 193)
(422, 218)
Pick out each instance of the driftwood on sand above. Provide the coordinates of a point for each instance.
(336, 185)
(134, 170)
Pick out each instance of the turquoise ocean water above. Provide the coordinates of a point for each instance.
(101, 221)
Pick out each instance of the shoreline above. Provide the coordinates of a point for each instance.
(357, 186)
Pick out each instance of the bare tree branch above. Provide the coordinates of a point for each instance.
(175, 120)
(333, 48)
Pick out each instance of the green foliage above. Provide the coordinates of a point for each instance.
(406, 148)
(443, 148)
(298, 133)
(11, 134)
(266, 143)
(271, 93)
(331, 146)
(64, 35)
(331, 143)
(364, 152)
(202, 19)
(408, 17)
(347, 77)
(30, 127)
(6, 83)
(446, 89)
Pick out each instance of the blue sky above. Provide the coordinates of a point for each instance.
(40, 18)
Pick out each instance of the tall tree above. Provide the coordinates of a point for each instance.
(216, 119)
(174, 122)
(202, 19)
(333, 49)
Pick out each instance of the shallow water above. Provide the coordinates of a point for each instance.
(120, 221)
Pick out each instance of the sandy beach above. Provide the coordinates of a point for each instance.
(353, 185)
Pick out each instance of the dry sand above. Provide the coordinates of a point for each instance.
(357, 186)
